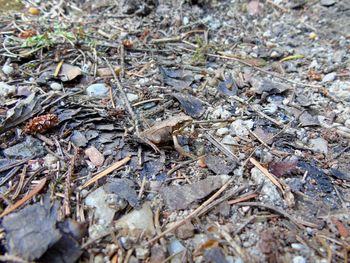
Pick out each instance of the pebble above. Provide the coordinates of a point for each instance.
(98, 200)
(327, 3)
(222, 131)
(299, 259)
(341, 90)
(95, 156)
(50, 161)
(319, 145)
(240, 127)
(7, 69)
(132, 97)
(56, 86)
(229, 140)
(97, 90)
(329, 77)
(269, 190)
(185, 231)
(138, 221)
(142, 253)
(221, 113)
(6, 90)
(347, 123)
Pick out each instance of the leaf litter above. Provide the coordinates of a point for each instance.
(161, 131)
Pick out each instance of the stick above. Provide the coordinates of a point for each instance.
(107, 171)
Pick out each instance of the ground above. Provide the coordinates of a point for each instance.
(175, 131)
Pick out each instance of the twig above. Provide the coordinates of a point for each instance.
(107, 171)
(20, 184)
(33, 192)
(193, 214)
(300, 223)
(125, 98)
(272, 178)
(242, 199)
(219, 145)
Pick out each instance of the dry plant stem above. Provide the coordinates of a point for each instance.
(230, 193)
(219, 145)
(18, 204)
(193, 214)
(125, 98)
(21, 182)
(272, 178)
(298, 222)
(107, 171)
(242, 199)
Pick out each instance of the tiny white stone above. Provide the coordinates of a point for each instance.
(56, 86)
(222, 131)
(132, 97)
(329, 77)
(7, 69)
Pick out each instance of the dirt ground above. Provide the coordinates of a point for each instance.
(175, 131)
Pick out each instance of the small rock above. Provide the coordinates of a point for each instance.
(328, 3)
(95, 156)
(98, 199)
(221, 113)
(31, 147)
(240, 127)
(50, 161)
(78, 139)
(299, 259)
(319, 145)
(7, 69)
(138, 221)
(175, 248)
(347, 123)
(253, 8)
(229, 140)
(341, 90)
(97, 90)
(56, 86)
(269, 190)
(142, 253)
(222, 131)
(329, 77)
(185, 231)
(275, 54)
(6, 90)
(132, 97)
(158, 253)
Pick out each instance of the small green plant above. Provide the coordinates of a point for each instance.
(50, 38)
(200, 55)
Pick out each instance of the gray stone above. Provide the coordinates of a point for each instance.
(340, 90)
(56, 86)
(329, 77)
(327, 3)
(299, 259)
(132, 97)
(138, 221)
(319, 145)
(7, 69)
(31, 147)
(6, 90)
(78, 139)
(269, 190)
(229, 140)
(222, 131)
(98, 200)
(97, 90)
